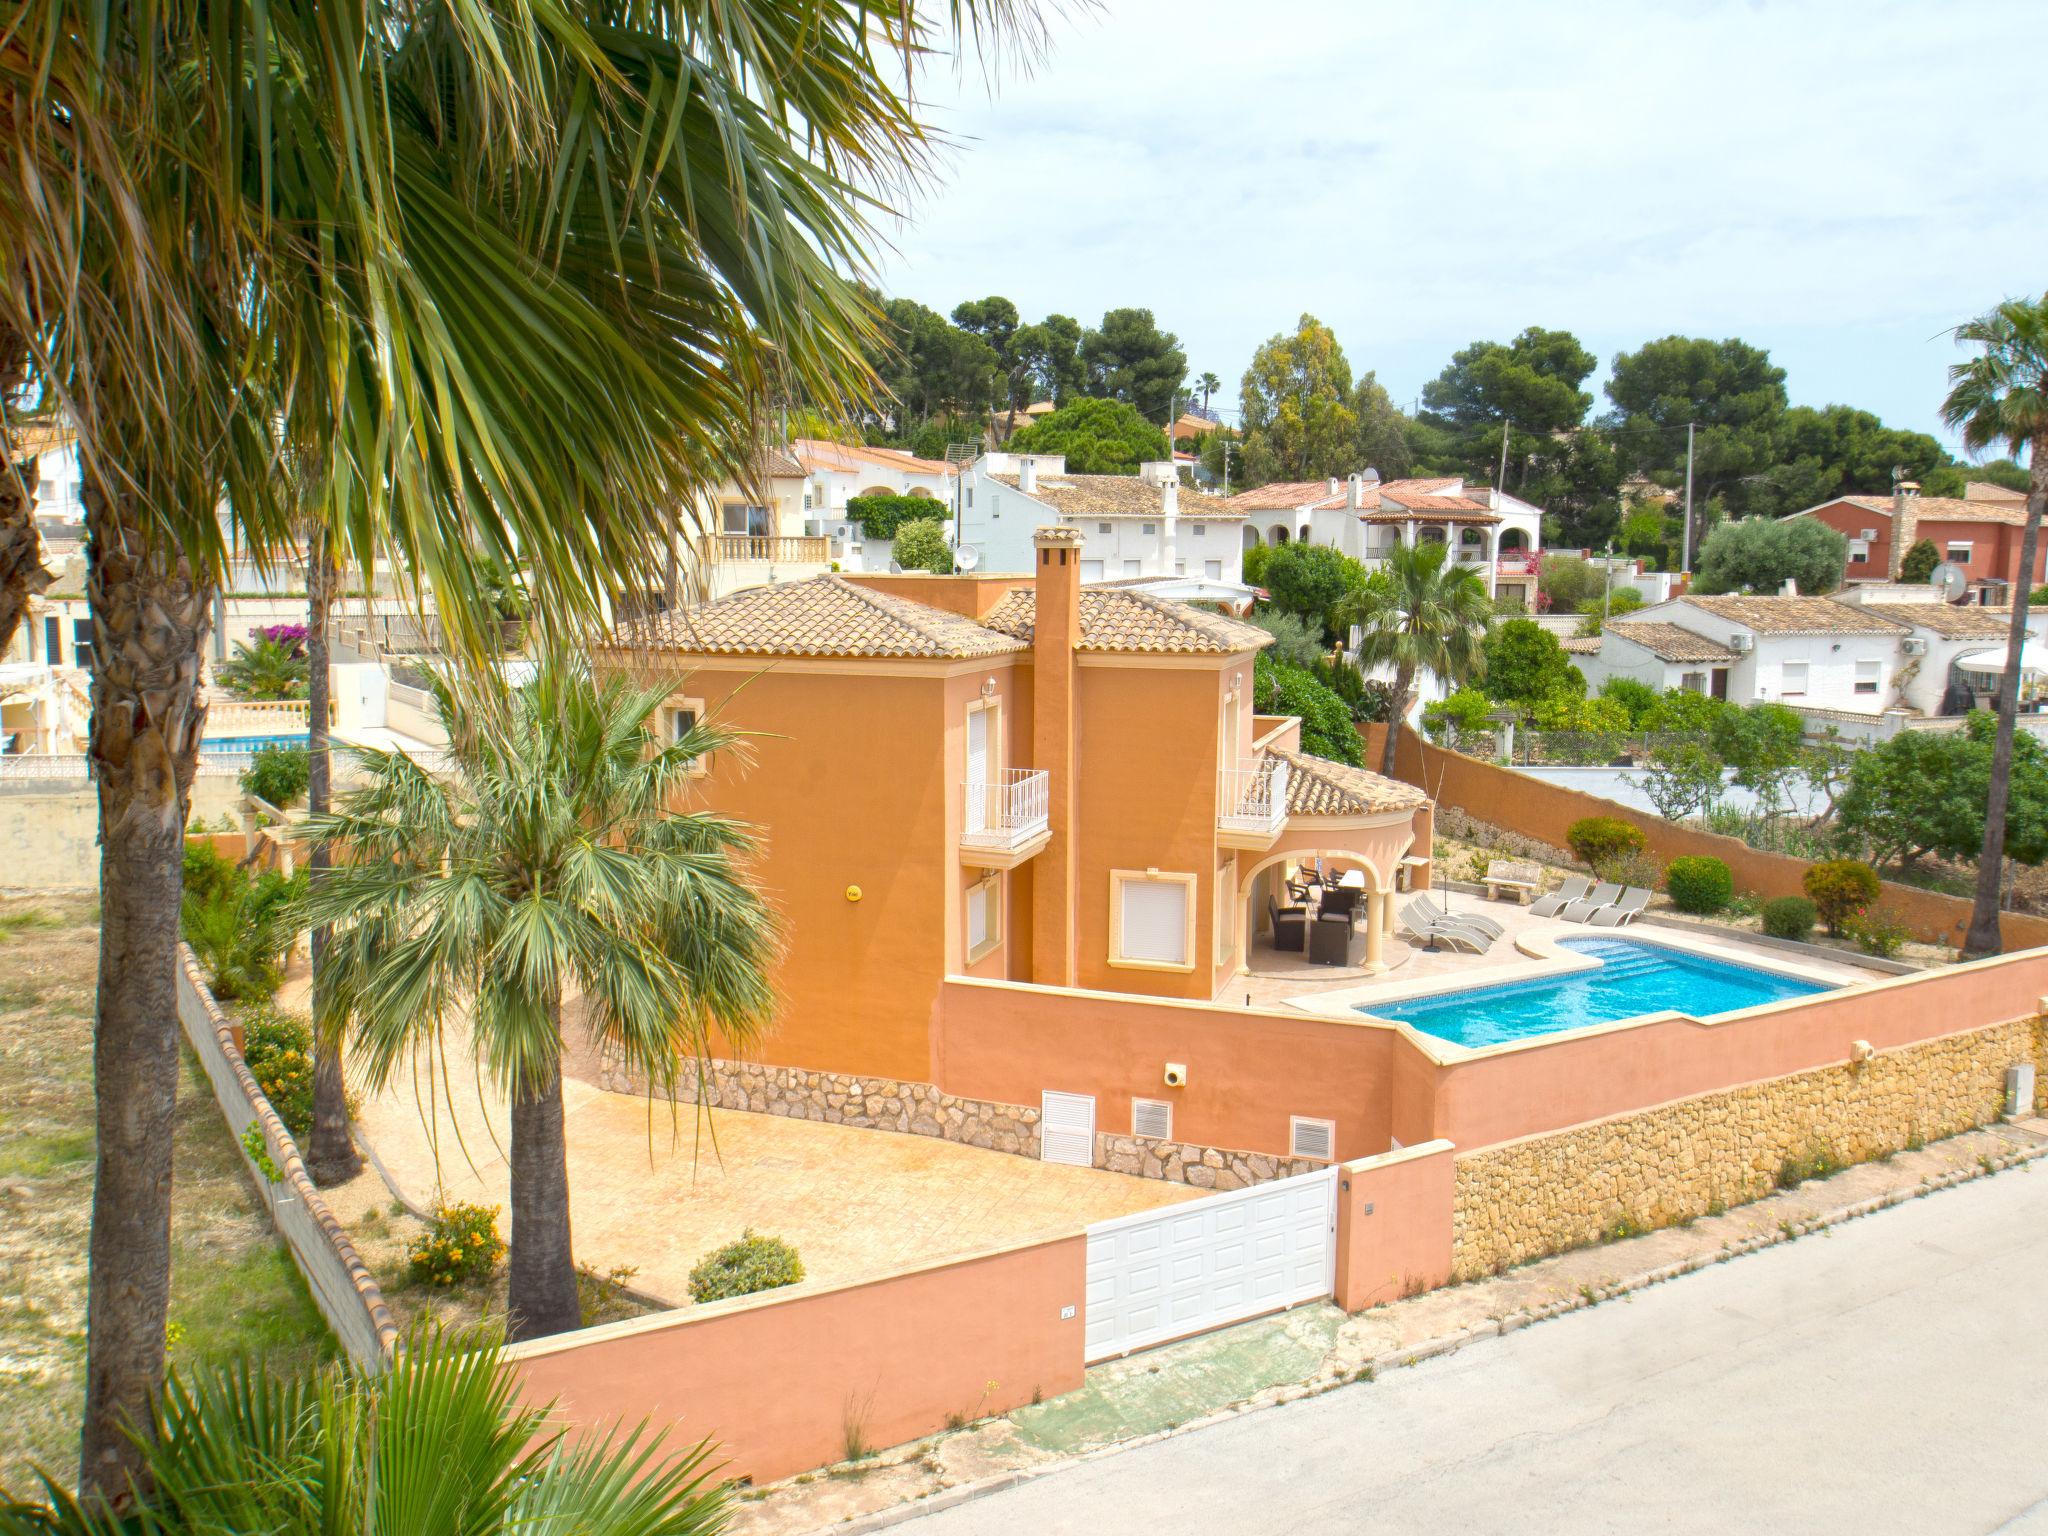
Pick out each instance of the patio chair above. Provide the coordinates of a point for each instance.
(1603, 895)
(1339, 901)
(1290, 926)
(1563, 896)
(1329, 940)
(1439, 915)
(1624, 911)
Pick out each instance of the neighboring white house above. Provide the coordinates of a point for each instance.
(1142, 525)
(735, 537)
(1499, 536)
(835, 473)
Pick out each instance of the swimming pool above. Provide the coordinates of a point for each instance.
(248, 746)
(1633, 978)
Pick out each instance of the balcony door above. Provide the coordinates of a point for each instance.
(977, 769)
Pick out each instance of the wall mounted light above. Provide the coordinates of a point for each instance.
(988, 688)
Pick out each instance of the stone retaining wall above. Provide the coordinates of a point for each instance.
(1524, 1199)
(1202, 1167)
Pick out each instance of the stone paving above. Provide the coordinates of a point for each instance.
(656, 1190)
(1313, 1349)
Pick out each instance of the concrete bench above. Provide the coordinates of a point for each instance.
(1519, 878)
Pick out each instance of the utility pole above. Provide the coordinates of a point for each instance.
(1500, 484)
(1685, 556)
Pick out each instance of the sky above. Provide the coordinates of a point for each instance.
(1838, 183)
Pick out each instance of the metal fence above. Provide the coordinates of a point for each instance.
(1564, 749)
(342, 1285)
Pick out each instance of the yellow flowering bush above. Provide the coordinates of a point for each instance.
(461, 1243)
(279, 1050)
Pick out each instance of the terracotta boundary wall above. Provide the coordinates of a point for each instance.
(342, 1285)
(777, 1379)
(1523, 1199)
(1395, 1225)
(1535, 809)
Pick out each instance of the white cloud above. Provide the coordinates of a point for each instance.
(1817, 178)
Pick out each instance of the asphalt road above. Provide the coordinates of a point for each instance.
(1887, 1376)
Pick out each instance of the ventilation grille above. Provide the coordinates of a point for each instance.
(1316, 1139)
(1152, 1118)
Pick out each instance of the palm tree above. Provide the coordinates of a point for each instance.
(22, 573)
(1420, 614)
(1208, 383)
(549, 858)
(510, 277)
(438, 1442)
(2001, 396)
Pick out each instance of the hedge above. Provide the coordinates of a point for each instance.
(1699, 884)
(880, 516)
(1597, 839)
(1789, 917)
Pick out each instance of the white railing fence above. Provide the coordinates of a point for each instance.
(1007, 809)
(1252, 797)
(342, 1285)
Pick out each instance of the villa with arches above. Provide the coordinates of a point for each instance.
(1496, 535)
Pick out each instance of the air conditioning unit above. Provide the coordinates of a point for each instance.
(1867, 535)
(1742, 644)
(1913, 646)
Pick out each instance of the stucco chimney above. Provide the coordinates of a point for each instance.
(1905, 521)
(1336, 485)
(1027, 476)
(1169, 525)
(1055, 630)
(1354, 492)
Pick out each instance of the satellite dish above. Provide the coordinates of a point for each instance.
(1951, 581)
(895, 567)
(966, 557)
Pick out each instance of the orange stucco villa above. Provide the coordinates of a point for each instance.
(1017, 779)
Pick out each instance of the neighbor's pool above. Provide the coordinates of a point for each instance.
(1632, 979)
(248, 746)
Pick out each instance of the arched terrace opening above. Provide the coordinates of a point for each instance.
(1353, 872)
(1279, 534)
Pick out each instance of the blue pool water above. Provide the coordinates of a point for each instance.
(1632, 979)
(248, 746)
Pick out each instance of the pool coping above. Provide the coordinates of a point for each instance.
(1547, 959)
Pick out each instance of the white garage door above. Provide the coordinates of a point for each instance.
(1165, 1274)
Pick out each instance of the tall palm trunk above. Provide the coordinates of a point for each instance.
(22, 573)
(331, 1155)
(150, 619)
(1397, 714)
(1983, 937)
(541, 1284)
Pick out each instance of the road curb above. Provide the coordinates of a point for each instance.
(1449, 1343)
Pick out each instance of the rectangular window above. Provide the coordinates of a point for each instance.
(1859, 552)
(1103, 528)
(740, 520)
(1693, 682)
(1792, 679)
(1199, 528)
(984, 917)
(1152, 917)
(1131, 568)
(1091, 571)
(53, 642)
(1152, 1119)
(1869, 674)
(81, 643)
(679, 718)
(1313, 1139)
(1149, 530)
(1957, 554)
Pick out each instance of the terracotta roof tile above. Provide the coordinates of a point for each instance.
(1669, 642)
(824, 616)
(1117, 619)
(1986, 490)
(1951, 622)
(1796, 615)
(1316, 786)
(1945, 509)
(819, 453)
(1316, 495)
(1119, 496)
(1581, 645)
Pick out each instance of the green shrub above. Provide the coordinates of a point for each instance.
(754, 1263)
(1789, 917)
(278, 774)
(1878, 932)
(1466, 709)
(1597, 839)
(1326, 726)
(1637, 698)
(279, 1050)
(880, 516)
(1699, 884)
(1253, 570)
(921, 546)
(239, 928)
(461, 1243)
(1840, 889)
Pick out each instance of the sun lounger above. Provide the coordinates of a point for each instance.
(1624, 911)
(1562, 897)
(1438, 915)
(1423, 922)
(1603, 895)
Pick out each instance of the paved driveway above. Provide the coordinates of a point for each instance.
(657, 1193)
(1881, 1378)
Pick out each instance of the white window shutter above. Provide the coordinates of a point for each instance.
(1155, 921)
(1066, 1128)
(977, 916)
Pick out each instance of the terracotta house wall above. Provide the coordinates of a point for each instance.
(1850, 521)
(896, 1355)
(1395, 1221)
(1548, 1085)
(1546, 811)
(1994, 553)
(1248, 1070)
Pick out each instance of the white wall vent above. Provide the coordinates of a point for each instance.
(1152, 1119)
(1315, 1139)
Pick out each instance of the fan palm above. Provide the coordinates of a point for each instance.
(548, 858)
(500, 282)
(2001, 397)
(1418, 613)
(437, 1442)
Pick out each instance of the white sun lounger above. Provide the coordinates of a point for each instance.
(1573, 888)
(1603, 895)
(1624, 911)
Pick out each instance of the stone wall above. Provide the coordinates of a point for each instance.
(1203, 1167)
(1524, 1199)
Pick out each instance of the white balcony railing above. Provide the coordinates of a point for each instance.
(1007, 811)
(737, 548)
(1252, 797)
